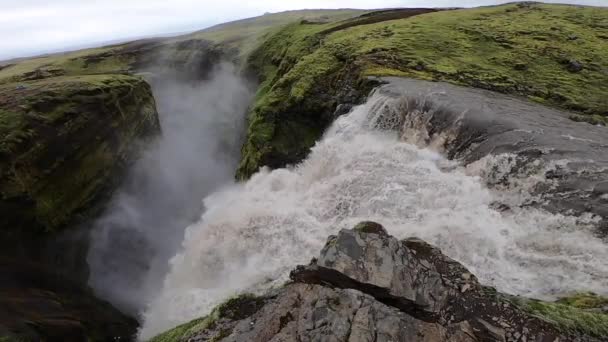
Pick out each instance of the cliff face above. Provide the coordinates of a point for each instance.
(65, 140)
(368, 286)
(64, 144)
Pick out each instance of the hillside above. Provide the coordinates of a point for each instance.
(551, 54)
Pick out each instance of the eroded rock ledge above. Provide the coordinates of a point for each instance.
(369, 286)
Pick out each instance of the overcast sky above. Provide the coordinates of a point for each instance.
(29, 27)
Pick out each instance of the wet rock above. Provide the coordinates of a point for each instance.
(601, 189)
(370, 227)
(469, 125)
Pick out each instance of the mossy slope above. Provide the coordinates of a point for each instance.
(233, 309)
(580, 313)
(63, 140)
(553, 54)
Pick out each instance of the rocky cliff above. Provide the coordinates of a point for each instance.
(64, 144)
(368, 286)
(63, 141)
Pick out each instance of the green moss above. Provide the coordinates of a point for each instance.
(592, 119)
(246, 34)
(9, 339)
(529, 50)
(370, 227)
(568, 318)
(235, 308)
(585, 300)
(13, 131)
(66, 138)
(181, 332)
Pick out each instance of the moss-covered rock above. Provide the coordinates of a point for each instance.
(63, 141)
(233, 309)
(551, 54)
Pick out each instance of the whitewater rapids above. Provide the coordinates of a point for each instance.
(252, 234)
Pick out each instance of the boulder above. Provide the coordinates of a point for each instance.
(369, 286)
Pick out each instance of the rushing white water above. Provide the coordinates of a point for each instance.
(252, 234)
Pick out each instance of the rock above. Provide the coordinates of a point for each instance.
(41, 305)
(574, 66)
(368, 286)
(601, 189)
(471, 124)
(520, 66)
(371, 228)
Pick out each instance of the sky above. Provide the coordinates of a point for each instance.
(30, 27)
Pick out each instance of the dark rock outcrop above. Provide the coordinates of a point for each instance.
(37, 304)
(368, 286)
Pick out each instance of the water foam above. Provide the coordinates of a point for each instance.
(252, 234)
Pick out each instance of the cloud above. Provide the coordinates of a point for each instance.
(29, 27)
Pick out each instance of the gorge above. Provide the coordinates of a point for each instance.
(166, 189)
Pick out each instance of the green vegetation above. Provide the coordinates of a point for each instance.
(62, 140)
(585, 300)
(243, 35)
(566, 317)
(235, 308)
(9, 339)
(84, 62)
(247, 33)
(553, 54)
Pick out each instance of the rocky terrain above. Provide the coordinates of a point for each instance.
(71, 124)
(368, 286)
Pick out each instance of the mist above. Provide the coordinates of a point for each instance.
(202, 127)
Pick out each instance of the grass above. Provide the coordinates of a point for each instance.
(585, 300)
(566, 317)
(103, 60)
(235, 308)
(552, 54)
(248, 33)
(244, 35)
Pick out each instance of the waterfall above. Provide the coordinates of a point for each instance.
(369, 166)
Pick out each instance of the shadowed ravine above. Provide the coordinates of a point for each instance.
(499, 212)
